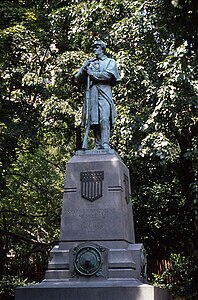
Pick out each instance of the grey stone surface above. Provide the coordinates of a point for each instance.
(97, 152)
(107, 221)
(109, 217)
(92, 290)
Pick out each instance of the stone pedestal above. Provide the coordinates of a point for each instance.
(97, 257)
(105, 290)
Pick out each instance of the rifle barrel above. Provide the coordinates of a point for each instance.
(87, 121)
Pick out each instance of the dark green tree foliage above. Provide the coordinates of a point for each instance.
(37, 125)
(42, 44)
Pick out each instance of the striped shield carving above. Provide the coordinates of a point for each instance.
(91, 185)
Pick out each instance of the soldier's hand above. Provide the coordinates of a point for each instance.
(89, 72)
(86, 63)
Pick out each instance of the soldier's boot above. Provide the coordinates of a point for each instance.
(105, 133)
(97, 138)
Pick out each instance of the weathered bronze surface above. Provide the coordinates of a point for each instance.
(91, 185)
(87, 260)
(99, 74)
(126, 183)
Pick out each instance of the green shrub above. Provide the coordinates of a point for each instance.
(180, 277)
(8, 284)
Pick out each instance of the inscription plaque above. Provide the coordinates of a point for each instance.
(91, 185)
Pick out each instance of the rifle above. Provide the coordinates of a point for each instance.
(87, 119)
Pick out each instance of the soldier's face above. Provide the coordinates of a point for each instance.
(98, 50)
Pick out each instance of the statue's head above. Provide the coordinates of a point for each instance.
(100, 43)
(99, 47)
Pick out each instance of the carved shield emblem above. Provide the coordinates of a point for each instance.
(91, 185)
(126, 183)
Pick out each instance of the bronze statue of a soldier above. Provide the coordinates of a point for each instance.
(99, 74)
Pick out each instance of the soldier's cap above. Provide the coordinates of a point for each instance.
(101, 43)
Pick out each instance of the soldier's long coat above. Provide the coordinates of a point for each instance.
(105, 75)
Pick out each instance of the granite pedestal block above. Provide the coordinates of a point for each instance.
(92, 290)
(97, 257)
(96, 208)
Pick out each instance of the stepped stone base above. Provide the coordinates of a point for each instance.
(97, 257)
(92, 290)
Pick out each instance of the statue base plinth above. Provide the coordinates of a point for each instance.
(92, 290)
(97, 257)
